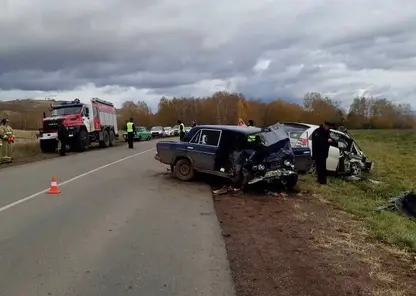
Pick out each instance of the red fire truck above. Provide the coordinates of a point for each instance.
(95, 121)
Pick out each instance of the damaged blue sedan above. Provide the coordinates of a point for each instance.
(245, 155)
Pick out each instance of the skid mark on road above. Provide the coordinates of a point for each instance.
(2, 209)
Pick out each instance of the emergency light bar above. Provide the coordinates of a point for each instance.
(62, 103)
(97, 100)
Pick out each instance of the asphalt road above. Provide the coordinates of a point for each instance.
(121, 226)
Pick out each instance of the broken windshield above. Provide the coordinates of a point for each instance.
(66, 110)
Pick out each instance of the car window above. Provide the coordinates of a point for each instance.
(338, 138)
(295, 134)
(195, 139)
(210, 137)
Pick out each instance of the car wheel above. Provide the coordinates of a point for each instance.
(290, 181)
(356, 170)
(184, 170)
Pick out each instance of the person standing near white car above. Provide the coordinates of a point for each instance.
(321, 141)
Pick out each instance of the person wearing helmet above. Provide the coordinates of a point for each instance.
(7, 140)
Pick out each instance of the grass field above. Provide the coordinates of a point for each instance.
(395, 166)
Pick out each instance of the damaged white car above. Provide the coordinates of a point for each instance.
(345, 156)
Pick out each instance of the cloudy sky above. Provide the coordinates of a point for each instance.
(143, 49)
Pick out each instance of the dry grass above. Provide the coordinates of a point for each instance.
(350, 240)
(25, 135)
(391, 150)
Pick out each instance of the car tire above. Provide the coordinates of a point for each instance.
(290, 181)
(184, 170)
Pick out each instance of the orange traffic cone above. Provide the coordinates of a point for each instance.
(53, 189)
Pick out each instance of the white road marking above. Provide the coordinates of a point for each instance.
(71, 180)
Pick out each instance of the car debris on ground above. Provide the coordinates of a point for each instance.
(404, 203)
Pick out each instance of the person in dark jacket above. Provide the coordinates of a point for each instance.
(181, 130)
(63, 136)
(321, 141)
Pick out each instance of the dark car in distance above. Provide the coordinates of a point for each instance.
(246, 155)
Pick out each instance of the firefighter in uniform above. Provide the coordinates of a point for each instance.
(181, 130)
(130, 132)
(63, 136)
(321, 141)
(7, 140)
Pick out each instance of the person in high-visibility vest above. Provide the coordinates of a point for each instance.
(181, 130)
(130, 132)
(251, 138)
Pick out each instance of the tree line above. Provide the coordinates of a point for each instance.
(226, 108)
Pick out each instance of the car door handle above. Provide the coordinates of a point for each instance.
(190, 147)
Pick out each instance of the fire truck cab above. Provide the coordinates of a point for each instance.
(95, 121)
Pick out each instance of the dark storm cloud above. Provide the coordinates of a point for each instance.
(169, 47)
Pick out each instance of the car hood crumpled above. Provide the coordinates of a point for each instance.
(274, 149)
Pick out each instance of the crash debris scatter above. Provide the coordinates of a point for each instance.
(404, 203)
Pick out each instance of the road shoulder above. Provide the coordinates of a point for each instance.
(300, 245)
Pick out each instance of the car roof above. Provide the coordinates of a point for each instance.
(299, 124)
(232, 128)
(314, 127)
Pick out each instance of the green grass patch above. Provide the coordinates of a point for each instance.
(395, 165)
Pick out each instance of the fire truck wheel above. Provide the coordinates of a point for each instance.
(82, 141)
(48, 146)
(106, 140)
(112, 139)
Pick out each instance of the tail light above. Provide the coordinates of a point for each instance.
(302, 142)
